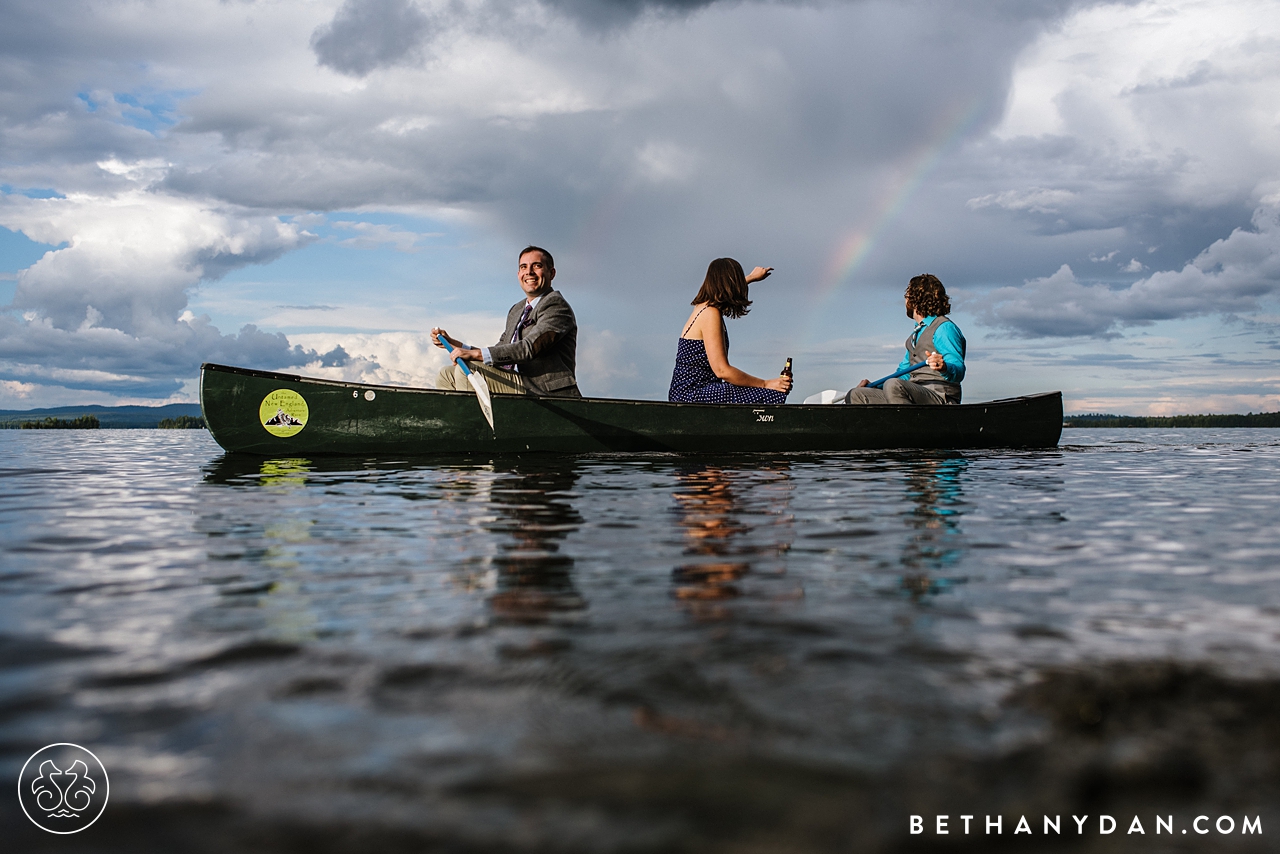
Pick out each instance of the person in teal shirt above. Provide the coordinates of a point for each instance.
(936, 341)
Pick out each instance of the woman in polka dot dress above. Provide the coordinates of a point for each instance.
(703, 373)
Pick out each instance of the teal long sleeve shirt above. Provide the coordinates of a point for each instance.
(949, 343)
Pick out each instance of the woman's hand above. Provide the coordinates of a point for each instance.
(759, 274)
(782, 384)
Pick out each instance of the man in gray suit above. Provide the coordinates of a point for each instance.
(537, 353)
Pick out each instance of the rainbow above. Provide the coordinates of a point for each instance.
(852, 249)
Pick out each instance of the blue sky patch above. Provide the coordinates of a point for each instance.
(31, 192)
(17, 252)
(146, 110)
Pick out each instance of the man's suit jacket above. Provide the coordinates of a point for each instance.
(547, 349)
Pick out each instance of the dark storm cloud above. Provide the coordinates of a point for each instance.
(369, 34)
(607, 14)
(365, 35)
(798, 116)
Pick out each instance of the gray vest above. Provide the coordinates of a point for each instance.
(918, 349)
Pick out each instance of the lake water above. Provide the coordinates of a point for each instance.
(618, 653)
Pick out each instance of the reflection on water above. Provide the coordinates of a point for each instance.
(534, 516)
(285, 473)
(935, 544)
(639, 653)
(732, 521)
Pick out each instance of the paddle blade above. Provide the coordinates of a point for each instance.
(482, 394)
(479, 384)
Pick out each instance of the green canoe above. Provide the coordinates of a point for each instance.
(260, 412)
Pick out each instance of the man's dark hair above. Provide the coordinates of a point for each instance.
(546, 256)
(927, 297)
(725, 287)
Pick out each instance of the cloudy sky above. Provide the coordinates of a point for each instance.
(313, 184)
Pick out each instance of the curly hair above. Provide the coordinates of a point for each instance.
(725, 288)
(926, 296)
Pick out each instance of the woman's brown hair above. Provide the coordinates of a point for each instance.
(725, 288)
(926, 296)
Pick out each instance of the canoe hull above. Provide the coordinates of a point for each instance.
(342, 418)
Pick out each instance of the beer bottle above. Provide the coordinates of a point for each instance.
(786, 369)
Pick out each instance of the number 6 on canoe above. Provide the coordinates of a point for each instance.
(478, 383)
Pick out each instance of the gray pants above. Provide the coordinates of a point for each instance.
(896, 391)
(500, 380)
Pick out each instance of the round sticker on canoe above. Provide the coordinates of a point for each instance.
(283, 412)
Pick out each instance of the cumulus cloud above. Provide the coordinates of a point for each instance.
(13, 390)
(1232, 275)
(131, 256)
(106, 308)
(605, 359)
(390, 358)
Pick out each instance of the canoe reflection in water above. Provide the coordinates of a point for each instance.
(284, 472)
(735, 522)
(535, 515)
(935, 486)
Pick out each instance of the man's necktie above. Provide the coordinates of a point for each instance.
(520, 325)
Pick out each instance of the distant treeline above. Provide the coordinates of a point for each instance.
(183, 422)
(84, 422)
(1098, 419)
(108, 416)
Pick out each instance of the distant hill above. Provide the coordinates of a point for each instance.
(1097, 419)
(108, 416)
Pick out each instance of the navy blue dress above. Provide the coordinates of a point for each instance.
(693, 381)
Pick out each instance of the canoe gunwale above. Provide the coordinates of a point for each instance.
(298, 378)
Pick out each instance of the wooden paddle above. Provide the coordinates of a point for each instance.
(478, 383)
(880, 382)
